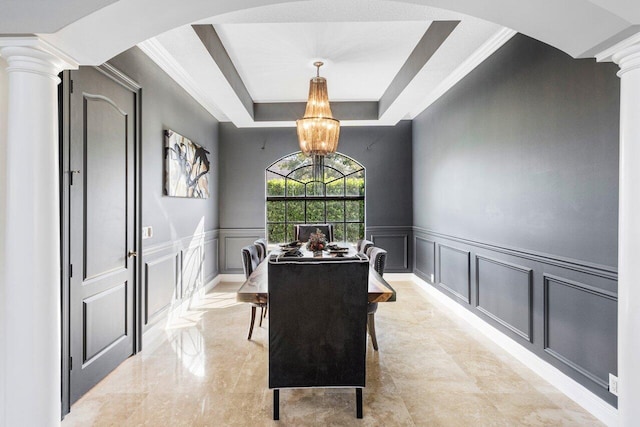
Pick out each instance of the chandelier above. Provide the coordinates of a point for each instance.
(318, 131)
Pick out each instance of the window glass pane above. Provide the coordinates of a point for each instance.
(341, 163)
(338, 231)
(335, 211)
(355, 184)
(335, 188)
(294, 188)
(295, 211)
(275, 233)
(291, 233)
(302, 174)
(275, 211)
(275, 184)
(315, 211)
(355, 210)
(292, 178)
(331, 174)
(315, 189)
(355, 231)
(289, 163)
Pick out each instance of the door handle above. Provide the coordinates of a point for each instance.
(132, 253)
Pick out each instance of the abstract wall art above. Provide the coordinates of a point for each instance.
(186, 167)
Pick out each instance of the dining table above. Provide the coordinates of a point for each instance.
(256, 288)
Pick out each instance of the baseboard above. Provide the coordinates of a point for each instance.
(404, 277)
(572, 389)
(231, 277)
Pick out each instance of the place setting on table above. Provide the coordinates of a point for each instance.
(316, 245)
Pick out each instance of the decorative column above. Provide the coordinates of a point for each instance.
(32, 240)
(629, 238)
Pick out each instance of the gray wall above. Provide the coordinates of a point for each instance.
(515, 174)
(385, 152)
(182, 254)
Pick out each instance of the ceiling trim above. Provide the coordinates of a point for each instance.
(211, 41)
(284, 114)
(607, 54)
(158, 54)
(486, 50)
(430, 42)
(291, 111)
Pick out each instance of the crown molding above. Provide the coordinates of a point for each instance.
(158, 54)
(486, 50)
(608, 54)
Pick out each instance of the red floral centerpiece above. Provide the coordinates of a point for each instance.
(317, 242)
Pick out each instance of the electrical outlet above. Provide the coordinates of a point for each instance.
(613, 384)
(147, 232)
(432, 278)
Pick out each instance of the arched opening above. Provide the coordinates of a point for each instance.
(293, 197)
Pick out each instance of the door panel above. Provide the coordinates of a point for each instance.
(106, 170)
(105, 321)
(101, 231)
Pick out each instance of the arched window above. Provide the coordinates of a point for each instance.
(293, 197)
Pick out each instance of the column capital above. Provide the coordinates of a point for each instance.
(628, 59)
(33, 55)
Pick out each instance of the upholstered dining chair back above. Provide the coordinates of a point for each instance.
(317, 322)
(303, 231)
(377, 259)
(262, 248)
(250, 259)
(363, 245)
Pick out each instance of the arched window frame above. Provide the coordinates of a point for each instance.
(298, 201)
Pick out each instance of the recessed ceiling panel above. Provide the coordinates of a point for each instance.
(361, 59)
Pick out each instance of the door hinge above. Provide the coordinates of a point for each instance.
(70, 270)
(71, 86)
(70, 363)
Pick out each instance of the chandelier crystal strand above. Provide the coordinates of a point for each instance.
(318, 131)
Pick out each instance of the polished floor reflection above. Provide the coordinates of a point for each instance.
(432, 370)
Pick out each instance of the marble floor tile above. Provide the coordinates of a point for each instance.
(432, 369)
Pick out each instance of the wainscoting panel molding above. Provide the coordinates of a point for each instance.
(210, 260)
(504, 292)
(578, 315)
(455, 271)
(176, 270)
(425, 258)
(395, 240)
(192, 270)
(233, 240)
(162, 284)
(562, 310)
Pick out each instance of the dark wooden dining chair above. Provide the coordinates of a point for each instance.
(262, 248)
(303, 231)
(377, 259)
(317, 324)
(250, 260)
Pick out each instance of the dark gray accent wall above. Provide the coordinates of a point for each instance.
(384, 151)
(165, 105)
(524, 153)
(515, 177)
(182, 255)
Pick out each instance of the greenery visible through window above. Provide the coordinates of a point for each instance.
(293, 197)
